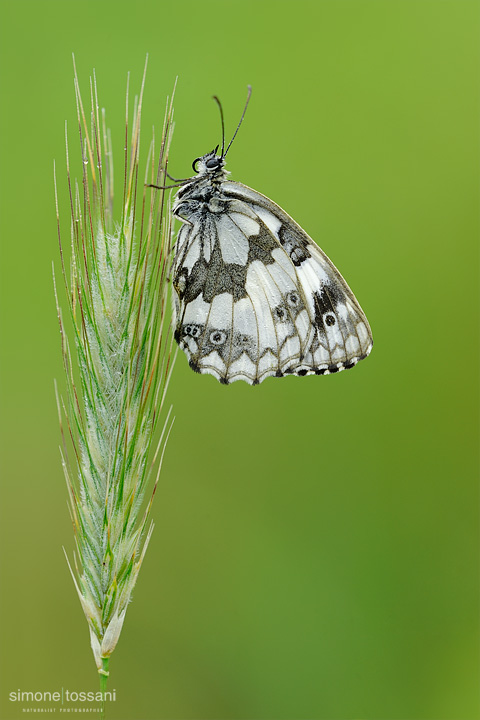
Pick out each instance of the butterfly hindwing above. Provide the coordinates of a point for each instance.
(256, 296)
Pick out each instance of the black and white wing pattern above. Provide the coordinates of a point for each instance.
(254, 295)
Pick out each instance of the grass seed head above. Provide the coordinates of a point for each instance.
(119, 364)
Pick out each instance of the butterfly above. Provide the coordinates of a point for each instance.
(254, 296)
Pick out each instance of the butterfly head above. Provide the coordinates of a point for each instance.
(209, 164)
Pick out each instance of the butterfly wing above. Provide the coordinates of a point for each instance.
(256, 297)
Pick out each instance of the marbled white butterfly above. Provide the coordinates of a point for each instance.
(254, 295)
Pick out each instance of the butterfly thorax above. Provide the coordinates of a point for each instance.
(202, 193)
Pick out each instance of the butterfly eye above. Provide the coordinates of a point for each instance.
(213, 163)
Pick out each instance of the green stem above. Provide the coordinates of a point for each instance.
(103, 684)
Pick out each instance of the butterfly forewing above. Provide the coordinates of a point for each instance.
(255, 296)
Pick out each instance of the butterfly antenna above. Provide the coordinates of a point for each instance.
(241, 120)
(223, 122)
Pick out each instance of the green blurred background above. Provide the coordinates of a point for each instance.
(316, 545)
